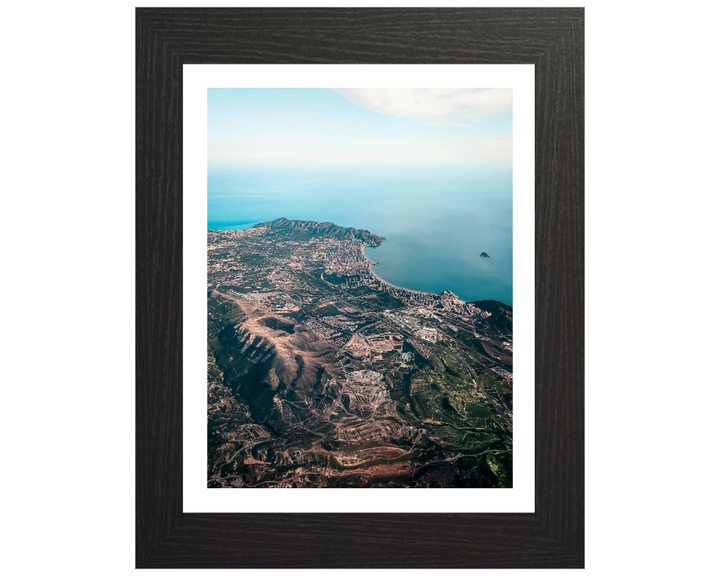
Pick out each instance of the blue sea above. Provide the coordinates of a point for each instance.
(436, 218)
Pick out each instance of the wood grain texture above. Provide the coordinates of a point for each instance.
(552, 40)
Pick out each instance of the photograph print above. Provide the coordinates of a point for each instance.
(360, 288)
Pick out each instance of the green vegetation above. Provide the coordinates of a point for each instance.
(329, 310)
(385, 301)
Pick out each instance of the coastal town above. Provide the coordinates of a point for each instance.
(321, 374)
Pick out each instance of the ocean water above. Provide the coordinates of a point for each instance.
(436, 218)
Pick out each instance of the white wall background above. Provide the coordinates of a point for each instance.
(67, 305)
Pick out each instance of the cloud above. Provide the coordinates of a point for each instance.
(442, 105)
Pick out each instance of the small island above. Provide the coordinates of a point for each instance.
(484, 255)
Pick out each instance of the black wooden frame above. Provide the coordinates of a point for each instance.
(552, 40)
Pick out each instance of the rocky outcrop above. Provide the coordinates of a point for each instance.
(304, 229)
(501, 318)
(262, 357)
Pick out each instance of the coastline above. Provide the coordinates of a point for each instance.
(242, 226)
(437, 283)
(372, 264)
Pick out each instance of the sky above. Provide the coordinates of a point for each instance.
(359, 125)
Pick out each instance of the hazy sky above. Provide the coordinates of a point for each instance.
(359, 125)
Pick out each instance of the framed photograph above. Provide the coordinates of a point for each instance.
(360, 269)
